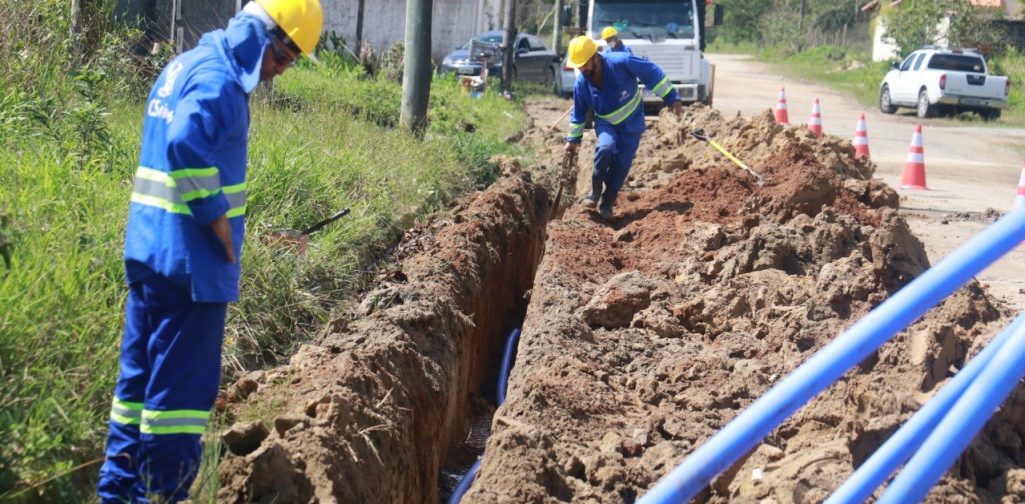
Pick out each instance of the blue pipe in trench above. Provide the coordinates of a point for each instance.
(503, 385)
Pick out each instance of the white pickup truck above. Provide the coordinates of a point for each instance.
(939, 80)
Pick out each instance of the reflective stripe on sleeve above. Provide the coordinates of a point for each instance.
(161, 190)
(195, 183)
(124, 412)
(576, 130)
(662, 88)
(236, 195)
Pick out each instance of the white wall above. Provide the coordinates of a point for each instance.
(885, 51)
(384, 22)
(882, 50)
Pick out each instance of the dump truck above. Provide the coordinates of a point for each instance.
(671, 33)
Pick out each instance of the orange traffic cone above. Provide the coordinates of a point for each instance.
(815, 123)
(1019, 199)
(782, 117)
(861, 139)
(914, 169)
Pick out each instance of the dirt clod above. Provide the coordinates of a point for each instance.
(244, 438)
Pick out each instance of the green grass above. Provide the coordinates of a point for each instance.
(324, 143)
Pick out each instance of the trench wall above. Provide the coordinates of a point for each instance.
(372, 410)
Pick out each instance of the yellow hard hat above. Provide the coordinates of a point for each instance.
(609, 32)
(580, 50)
(301, 20)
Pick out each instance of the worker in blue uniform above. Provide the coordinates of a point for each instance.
(612, 41)
(607, 84)
(183, 242)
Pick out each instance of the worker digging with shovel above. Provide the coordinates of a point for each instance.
(607, 84)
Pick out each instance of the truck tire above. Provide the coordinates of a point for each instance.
(925, 109)
(885, 102)
(989, 114)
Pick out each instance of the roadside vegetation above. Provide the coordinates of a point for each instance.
(69, 137)
(831, 43)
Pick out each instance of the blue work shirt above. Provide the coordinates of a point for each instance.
(619, 102)
(622, 48)
(192, 166)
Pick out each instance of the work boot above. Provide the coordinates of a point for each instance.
(592, 199)
(605, 212)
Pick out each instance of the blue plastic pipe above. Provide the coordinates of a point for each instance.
(464, 484)
(903, 443)
(960, 426)
(503, 385)
(832, 361)
(507, 361)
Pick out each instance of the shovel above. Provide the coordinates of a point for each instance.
(295, 240)
(565, 172)
(701, 135)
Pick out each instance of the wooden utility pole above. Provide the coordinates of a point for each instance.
(557, 37)
(77, 27)
(510, 45)
(359, 28)
(416, 77)
(800, 20)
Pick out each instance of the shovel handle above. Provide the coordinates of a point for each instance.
(729, 156)
(316, 227)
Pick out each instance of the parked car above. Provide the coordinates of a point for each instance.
(566, 78)
(532, 61)
(940, 80)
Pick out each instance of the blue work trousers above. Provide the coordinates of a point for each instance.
(170, 374)
(612, 159)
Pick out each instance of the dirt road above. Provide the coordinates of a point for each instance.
(969, 169)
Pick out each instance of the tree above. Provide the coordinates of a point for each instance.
(915, 23)
(82, 29)
(742, 20)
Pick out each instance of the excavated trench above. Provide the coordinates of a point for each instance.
(642, 337)
(389, 408)
(645, 335)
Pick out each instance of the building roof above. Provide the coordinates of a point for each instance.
(980, 3)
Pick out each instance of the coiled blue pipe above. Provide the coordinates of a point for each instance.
(960, 426)
(831, 362)
(903, 443)
(503, 385)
